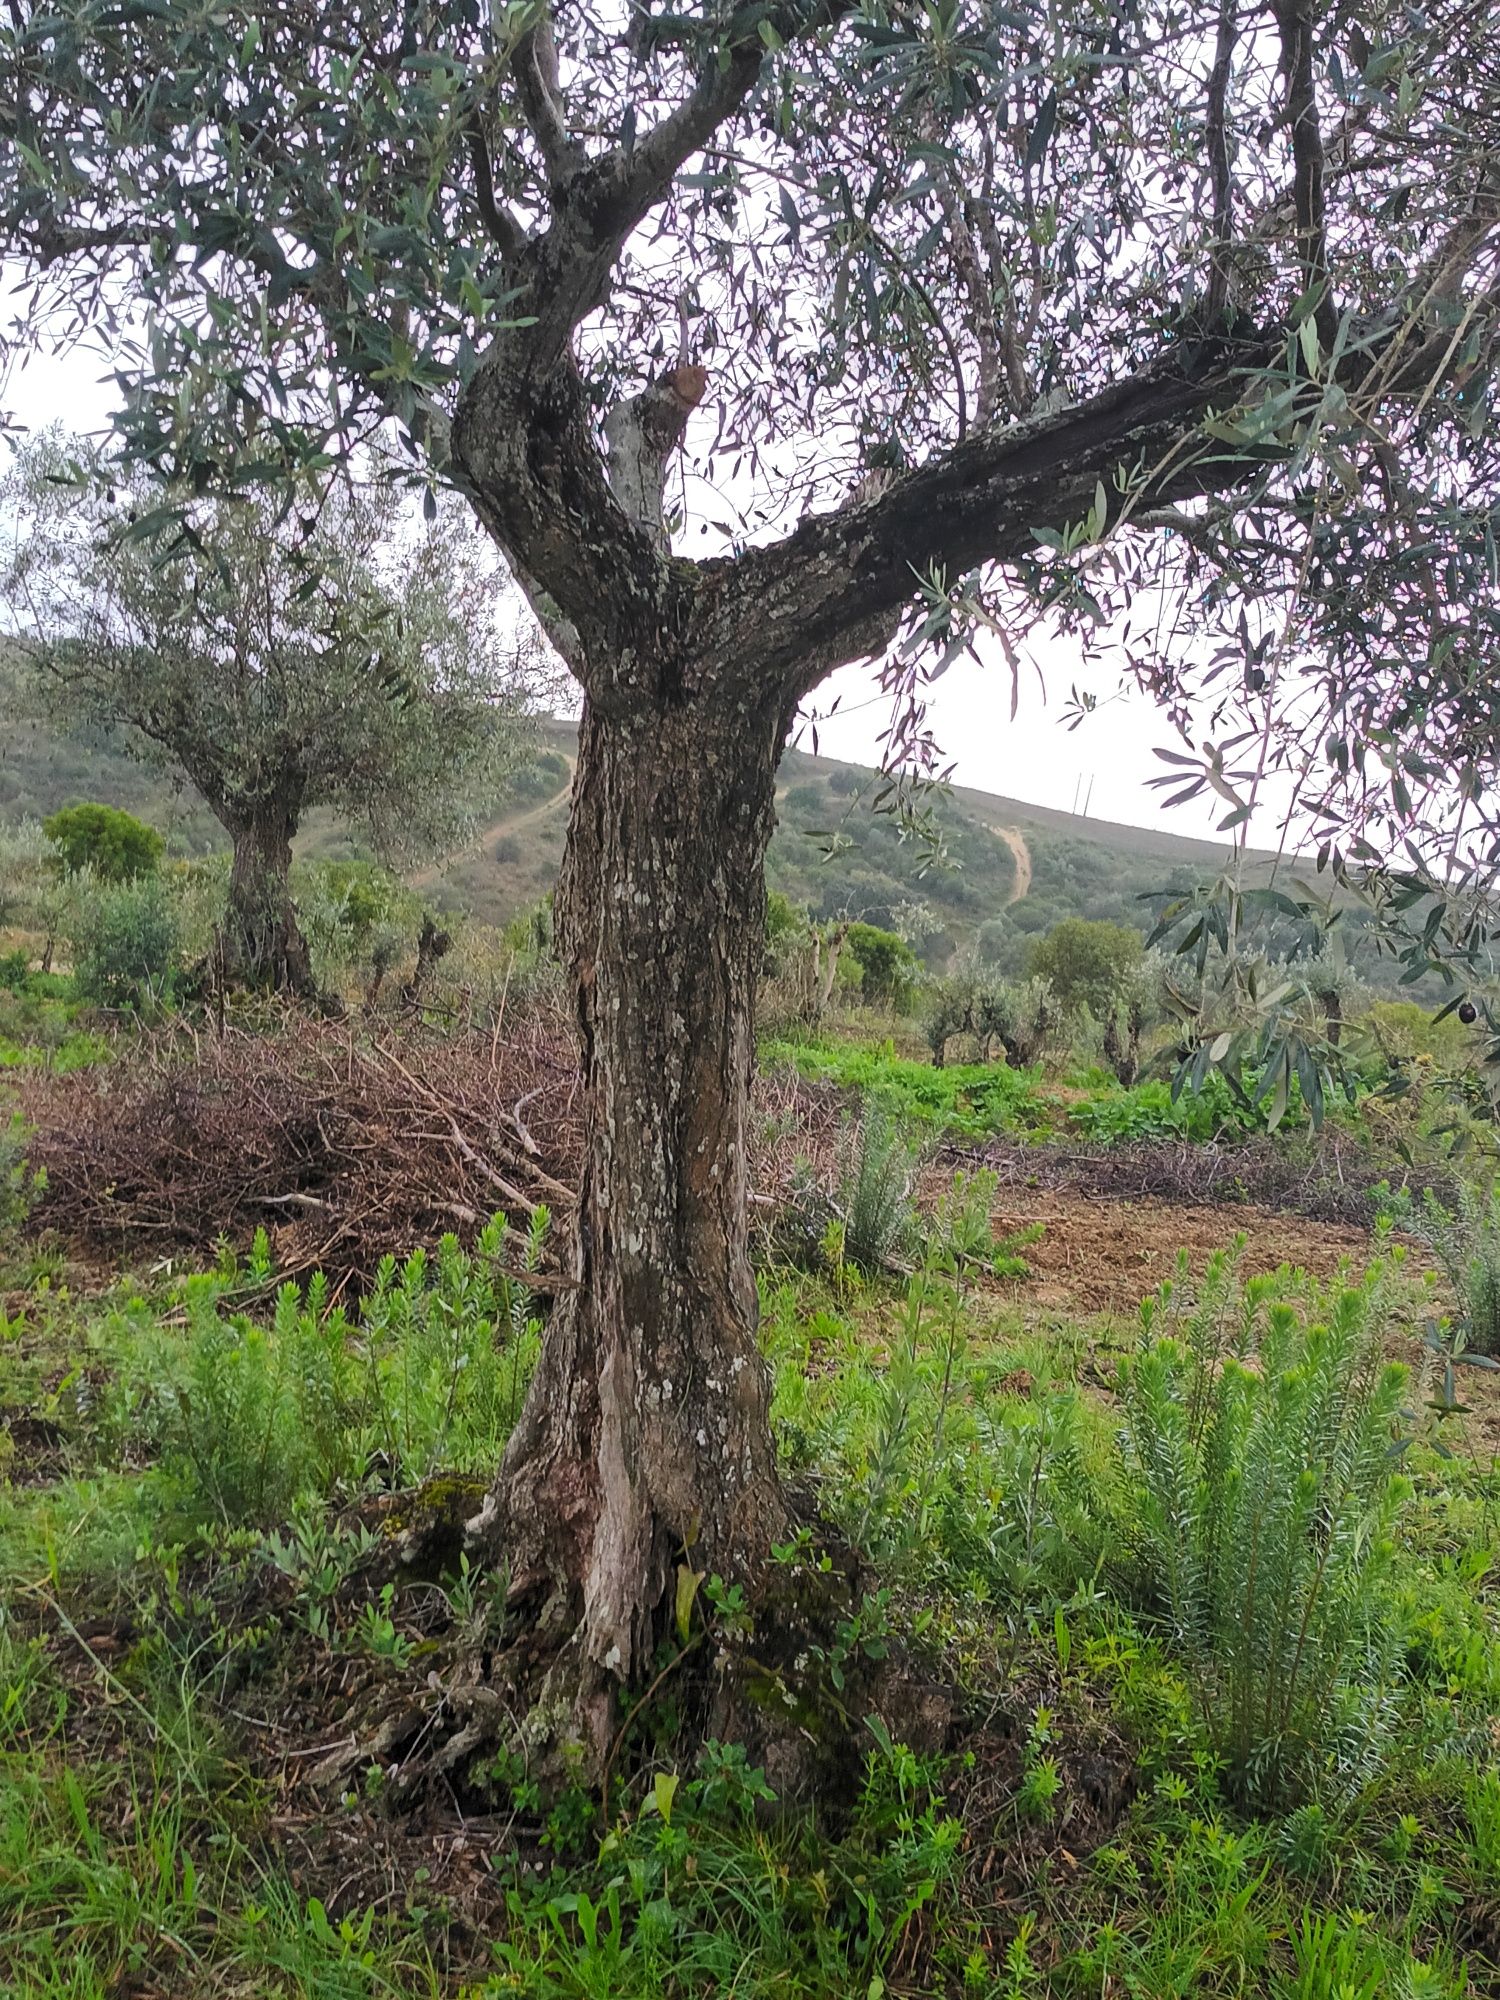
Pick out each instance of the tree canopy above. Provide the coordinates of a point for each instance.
(1026, 249)
(1086, 964)
(114, 844)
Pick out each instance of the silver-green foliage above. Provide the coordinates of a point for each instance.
(428, 1374)
(328, 653)
(1466, 1237)
(126, 938)
(876, 1169)
(1260, 1442)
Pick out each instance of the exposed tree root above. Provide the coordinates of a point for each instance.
(791, 1673)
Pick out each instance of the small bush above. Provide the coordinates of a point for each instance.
(877, 1166)
(20, 1187)
(887, 964)
(786, 929)
(1149, 1111)
(104, 841)
(125, 943)
(428, 1376)
(1466, 1238)
(1257, 1452)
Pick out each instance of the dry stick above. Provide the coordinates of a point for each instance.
(475, 1157)
(499, 1018)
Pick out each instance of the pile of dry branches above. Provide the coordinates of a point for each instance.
(344, 1144)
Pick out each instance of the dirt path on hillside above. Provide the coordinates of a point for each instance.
(1015, 840)
(497, 829)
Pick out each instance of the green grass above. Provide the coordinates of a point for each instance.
(191, 1598)
(978, 1100)
(970, 1100)
(39, 1025)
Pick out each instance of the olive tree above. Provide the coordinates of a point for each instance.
(282, 657)
(983, 320)
(1086, 963)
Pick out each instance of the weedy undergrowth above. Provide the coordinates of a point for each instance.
(1260, 1445)
(1466, 1238)
(876, 1170)
(429, 1373)
(21, 1186)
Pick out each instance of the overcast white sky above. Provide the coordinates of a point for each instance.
(1106, 761)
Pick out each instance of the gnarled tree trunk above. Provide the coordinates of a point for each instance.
(263, 942)
(645, 1438)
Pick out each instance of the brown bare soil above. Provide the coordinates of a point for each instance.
(1103, 1256)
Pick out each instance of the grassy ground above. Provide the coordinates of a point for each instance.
(202, 1613)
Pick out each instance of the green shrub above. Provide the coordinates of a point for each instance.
(125, 943)
(104, 841)
(20, 1186)
(1401, 1031)
(1257, 1451)
(429, 1375)
(877, 1166)
(1149, 1111)
(532, 930)
(786, 927)
(887, 963)
(1086, 964)
(1466, 1238)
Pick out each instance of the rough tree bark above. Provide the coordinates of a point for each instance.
(645, 1439)
(263, 943)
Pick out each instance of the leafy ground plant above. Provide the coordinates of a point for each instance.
(1260, 1440)
(428, 1374)
(970, 1100)
(1465, 1233)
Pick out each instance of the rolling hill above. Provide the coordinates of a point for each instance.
(1009, 869)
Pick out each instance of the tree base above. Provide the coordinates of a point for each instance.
(791, 1677)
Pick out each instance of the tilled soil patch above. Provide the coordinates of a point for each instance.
(1096, 1255)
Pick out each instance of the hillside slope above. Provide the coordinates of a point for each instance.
(1009, 871)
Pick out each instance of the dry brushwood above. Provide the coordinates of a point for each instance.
(1334, 1179)
(344, 1144)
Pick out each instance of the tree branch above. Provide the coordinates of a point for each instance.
(980, 293)
(1217, 137)
(817, 598)
(539, 89)
(502, 227)
(523, 436)
(608, 197)
(1295, 20)
(643, 432)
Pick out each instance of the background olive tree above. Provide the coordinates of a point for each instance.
(1168, 325)
(284, 652)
